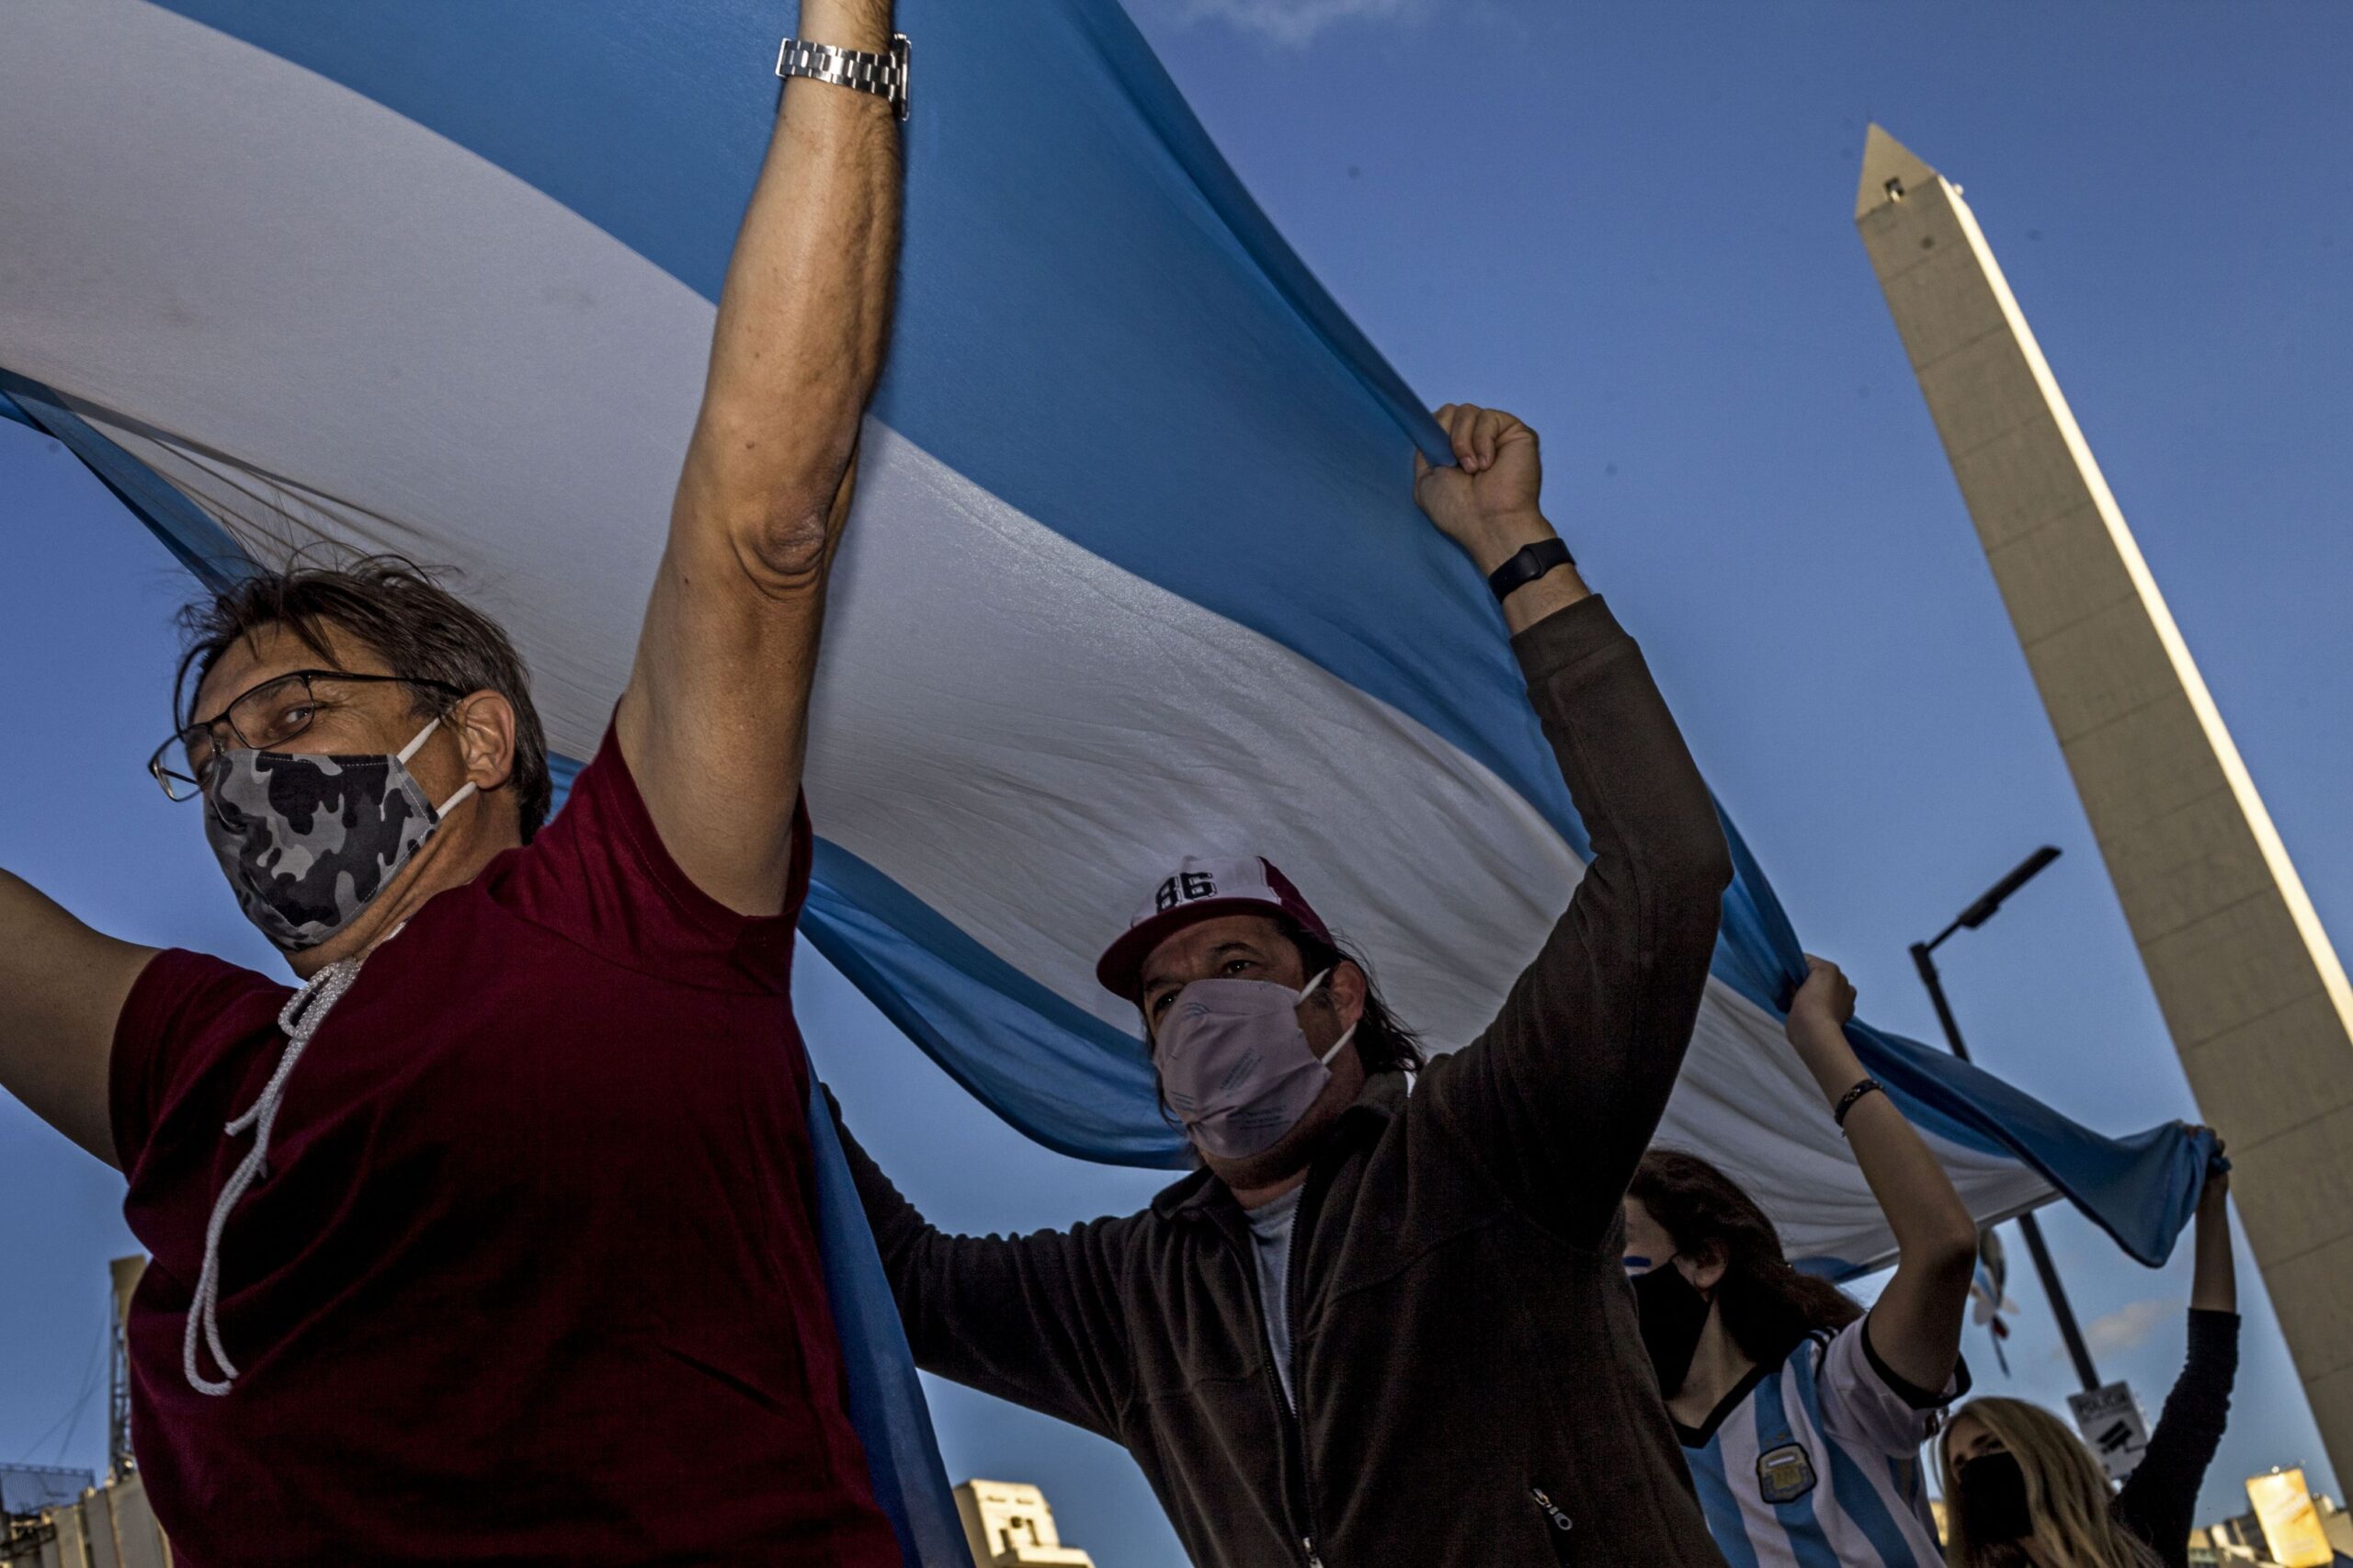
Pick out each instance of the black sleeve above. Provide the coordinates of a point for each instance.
(1032, 1319)
(1910, 1392)
(1560, 1096)
(2158, 1501)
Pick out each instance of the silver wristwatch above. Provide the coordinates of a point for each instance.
(884, 76)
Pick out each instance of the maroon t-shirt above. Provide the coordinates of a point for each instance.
(533, 1276)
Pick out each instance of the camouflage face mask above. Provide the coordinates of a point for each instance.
(308, 841)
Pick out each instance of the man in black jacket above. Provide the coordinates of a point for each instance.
(1386, 1321)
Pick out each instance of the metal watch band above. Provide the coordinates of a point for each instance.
(1528, 565)
(882, 75)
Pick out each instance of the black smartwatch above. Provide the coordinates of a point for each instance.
(1528, 565)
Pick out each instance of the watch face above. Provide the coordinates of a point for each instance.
(1531, 562)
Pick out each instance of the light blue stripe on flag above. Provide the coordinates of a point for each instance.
(886, 1402)
(2140, 1189)
(1058, 1073)
(186, 529)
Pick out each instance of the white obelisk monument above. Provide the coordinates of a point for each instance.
(2253, 994)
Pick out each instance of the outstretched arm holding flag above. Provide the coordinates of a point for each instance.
(1803, 1415)
(2019, 1483)
(715, 719)
(1385, 1320)
(497, 1238)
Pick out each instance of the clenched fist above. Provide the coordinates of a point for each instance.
(1488, 503)
(1826, 1001)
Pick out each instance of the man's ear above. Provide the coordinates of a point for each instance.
(1706, 1264)
(1348, 989)
(484, 723)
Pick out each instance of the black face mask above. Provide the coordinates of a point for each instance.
(1992, 1500)
(1674, 1314)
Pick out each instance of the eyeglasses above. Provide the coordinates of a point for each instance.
(269, 715)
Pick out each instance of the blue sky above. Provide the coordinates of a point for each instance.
(1631, 224)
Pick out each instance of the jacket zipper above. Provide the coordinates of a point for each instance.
(1558, 1523)
(1287, 1419)
(1295, 1270)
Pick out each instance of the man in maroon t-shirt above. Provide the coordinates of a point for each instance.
(508, 1252)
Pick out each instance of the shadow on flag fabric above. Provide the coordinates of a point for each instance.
(438, 277)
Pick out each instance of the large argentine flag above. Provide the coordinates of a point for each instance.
(1134, 574)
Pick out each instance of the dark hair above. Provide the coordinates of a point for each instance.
(418, 628)
(1383, 1042)
(1767, 1305)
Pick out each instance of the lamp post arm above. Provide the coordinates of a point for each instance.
(2060, 1311)
(1934, 982)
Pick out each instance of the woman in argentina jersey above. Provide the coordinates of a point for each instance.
(1802, 1415)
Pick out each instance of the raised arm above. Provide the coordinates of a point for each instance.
(1560, 1096)
(61, 987)
(2155, 1503)
(2214, 1275)
(1913, 1330)
(714, 721)
(1033, 1319)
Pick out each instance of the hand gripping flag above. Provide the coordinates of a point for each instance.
(1133, 572)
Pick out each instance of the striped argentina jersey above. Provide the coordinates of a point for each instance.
(1815, 1463)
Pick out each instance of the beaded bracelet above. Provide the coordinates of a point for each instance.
(1847, 1102)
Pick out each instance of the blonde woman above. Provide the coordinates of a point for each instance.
(2021, 1489)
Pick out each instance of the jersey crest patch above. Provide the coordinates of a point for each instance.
(1785, 1474)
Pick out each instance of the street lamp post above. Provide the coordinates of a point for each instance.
(1976, 914)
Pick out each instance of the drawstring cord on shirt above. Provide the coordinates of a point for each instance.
(301, 1018)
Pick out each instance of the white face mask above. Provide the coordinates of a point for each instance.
(1235, 1065)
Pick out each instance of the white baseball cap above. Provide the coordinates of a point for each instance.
(1201, 888)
